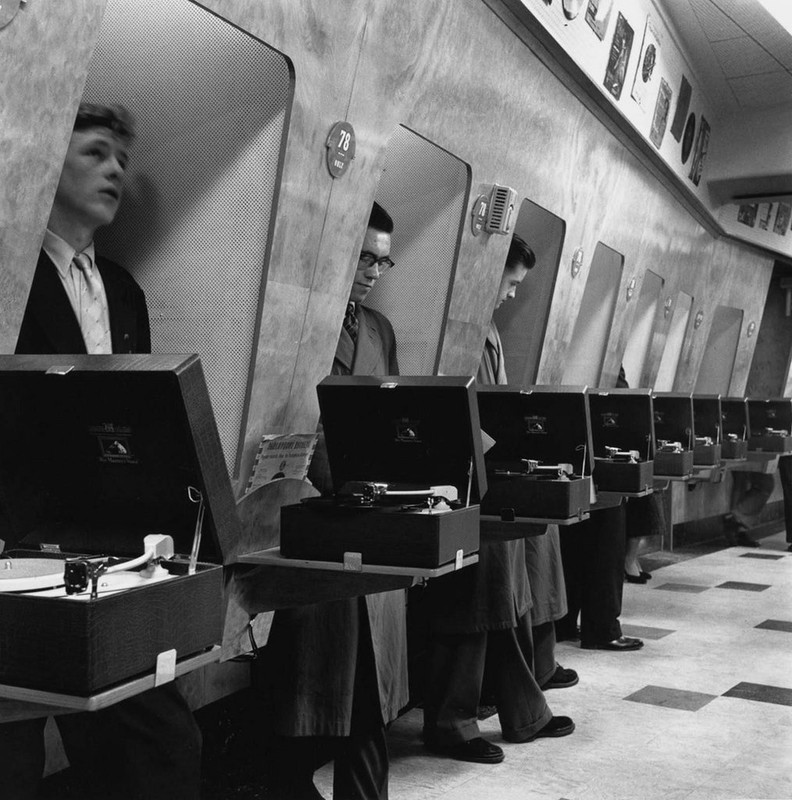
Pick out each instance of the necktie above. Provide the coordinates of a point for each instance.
(351, 322)
(94, 331)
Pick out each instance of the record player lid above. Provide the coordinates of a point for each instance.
(406, 430)
(734, 416)
(98, 451)
(549, 424)
(622, 418)
(770, 412)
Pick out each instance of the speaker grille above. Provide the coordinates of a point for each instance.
(211, 104)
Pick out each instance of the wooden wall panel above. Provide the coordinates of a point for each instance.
(453, 72)
(38, 101)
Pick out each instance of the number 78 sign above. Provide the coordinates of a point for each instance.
(340, 148)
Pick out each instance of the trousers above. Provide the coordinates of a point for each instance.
(457, 663)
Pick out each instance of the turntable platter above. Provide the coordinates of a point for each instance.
(29, 574)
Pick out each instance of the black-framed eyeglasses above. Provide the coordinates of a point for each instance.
(368, 260)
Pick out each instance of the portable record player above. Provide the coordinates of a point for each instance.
(673, 430)
(623, 441)
(707, 427)
(770, 424)
(118, 504)
(389, 441)
(734, 424)
(539, 468)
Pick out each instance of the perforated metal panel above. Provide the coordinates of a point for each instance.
(211, 104)
(424, 188)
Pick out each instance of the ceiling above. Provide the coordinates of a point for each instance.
(742, 54)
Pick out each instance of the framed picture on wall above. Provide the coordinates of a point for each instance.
(660, 118)
(647, 67)
(700, 152)
(598, 14)
(619, 56)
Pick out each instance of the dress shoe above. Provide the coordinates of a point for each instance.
(557, 727)
(561, 679)
(622, 643)
(634, 578)
(646, 575)
(742, 539)
(477, 751)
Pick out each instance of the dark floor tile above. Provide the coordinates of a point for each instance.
(761, 693)
(776, 625)
(681, 587)
(645, 632)
(671, 698)
(766, 556)
(743, 587)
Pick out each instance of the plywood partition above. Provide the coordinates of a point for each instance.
(44, 54)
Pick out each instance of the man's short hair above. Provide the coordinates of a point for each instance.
(116, 118)
(520, 253)
(380, 219)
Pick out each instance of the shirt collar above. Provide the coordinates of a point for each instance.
(62, 253)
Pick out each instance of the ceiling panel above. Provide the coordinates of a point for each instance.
(714, 22)
(744, 56)
(763, 91)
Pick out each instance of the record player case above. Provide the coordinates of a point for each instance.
(734, 424)
(622, 418)
(766, 414)
(404, 431)
(707, 422)
(547, 424)
(673, 422)
(66, 487)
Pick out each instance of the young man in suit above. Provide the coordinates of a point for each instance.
(80, 302)
(480, 618)
(147, 747)
(339, 669)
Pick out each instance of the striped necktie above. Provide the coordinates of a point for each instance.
(94, 331)
(351, 322)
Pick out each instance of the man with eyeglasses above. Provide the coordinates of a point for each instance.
(338, 670)
(367, 345)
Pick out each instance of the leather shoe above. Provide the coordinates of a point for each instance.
(557, 727)
(634, 578)
(561, 679)
(646, 575)
(622, 643)
(477, 751)
(742, 539)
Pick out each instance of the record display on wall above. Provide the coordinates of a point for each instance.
(572, 8)
(687, 137)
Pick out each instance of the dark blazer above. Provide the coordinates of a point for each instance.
(375, 352)
(50, 326)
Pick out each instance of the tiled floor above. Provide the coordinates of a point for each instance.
(702, 712)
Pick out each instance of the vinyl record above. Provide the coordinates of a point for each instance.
(687, 138)
(29, 574)
(572, 8)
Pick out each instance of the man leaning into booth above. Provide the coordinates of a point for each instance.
(480, 617)
(147, 747)
(339, 669)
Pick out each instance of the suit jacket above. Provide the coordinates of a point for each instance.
(322, 654)
(375, 350)
(50, 326)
